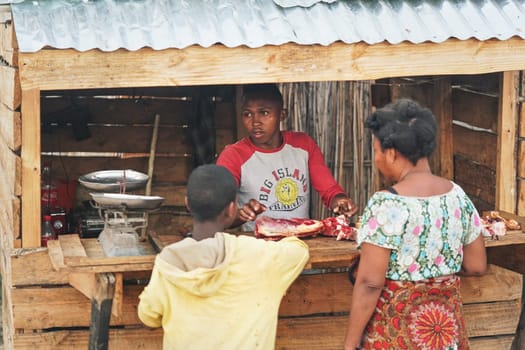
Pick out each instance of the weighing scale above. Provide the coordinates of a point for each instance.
(123, 214)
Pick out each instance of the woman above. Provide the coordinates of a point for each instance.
(414, 239)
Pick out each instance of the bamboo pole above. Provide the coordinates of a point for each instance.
(151, 163)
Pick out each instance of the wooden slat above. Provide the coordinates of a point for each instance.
(476, 180)
(283, 63)
(41, 308)
(511, 238)
(10, 87)
(8, 43)
(492, 343)
(520, 210)
(511, 257)
(486, 319)
(468, 143)
(521, 157)
(328, 332)
(151, 339)
(31, 169)
(119, 339)
(507, 122)
(16, 205)
(56, 255)
(498, 284)
(129, 139)
(443, 111)
(317, 294)
(87, 256)
(33, 267)
(9, 163)
(10, 127)
(71, 246)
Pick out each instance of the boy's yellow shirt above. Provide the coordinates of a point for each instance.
(221, 293)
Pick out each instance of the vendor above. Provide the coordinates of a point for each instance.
(273, 168)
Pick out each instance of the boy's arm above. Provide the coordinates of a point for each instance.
(332, 194)
(291, 257)
(150, 307)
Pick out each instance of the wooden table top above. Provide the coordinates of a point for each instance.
(86, 255)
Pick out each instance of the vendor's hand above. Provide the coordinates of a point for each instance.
(344, 206)
(250, 210)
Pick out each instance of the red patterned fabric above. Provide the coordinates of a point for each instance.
(418, 315)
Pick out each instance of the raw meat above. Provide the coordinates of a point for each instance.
(339, 228)
(276, 229)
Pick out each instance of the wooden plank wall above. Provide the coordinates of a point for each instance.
(469, 134)
(50, 314)
(121, 122)
(10, 164)
(475, 131)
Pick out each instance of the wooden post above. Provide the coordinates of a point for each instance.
(521, 149)
(443, 111)
(101, 305)
(31, 168)
(506, 148)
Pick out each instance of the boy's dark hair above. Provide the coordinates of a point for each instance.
(210, 189)
(405, 126)
(268, 91)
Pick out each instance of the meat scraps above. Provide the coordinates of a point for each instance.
(275, 229)
(496, 226)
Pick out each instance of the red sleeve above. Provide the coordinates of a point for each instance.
(320, 175)
(234, 156)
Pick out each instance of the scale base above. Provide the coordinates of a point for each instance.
(120, 242)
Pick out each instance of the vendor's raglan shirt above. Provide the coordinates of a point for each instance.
(280, 178)
(221, 293)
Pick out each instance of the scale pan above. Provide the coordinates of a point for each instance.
(127, 201)
(113, 180)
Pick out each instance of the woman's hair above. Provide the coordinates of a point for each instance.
(210, 189)
(405, 126)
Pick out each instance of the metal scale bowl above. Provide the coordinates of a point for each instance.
(123, 213)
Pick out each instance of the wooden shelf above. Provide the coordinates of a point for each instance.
(86, 255)
(511, 238)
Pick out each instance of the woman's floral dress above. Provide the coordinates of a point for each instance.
(420, 306)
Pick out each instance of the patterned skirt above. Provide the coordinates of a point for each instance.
(419, 315)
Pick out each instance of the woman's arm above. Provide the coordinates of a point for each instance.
(474, 258)
(370, 280)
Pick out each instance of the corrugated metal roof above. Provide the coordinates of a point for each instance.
(133, 24)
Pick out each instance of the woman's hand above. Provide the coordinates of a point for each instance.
(250, 210)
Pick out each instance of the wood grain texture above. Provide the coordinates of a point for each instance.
(10, 127)
(283, 63)
(31, 219)
(506, 196)
(10, 87)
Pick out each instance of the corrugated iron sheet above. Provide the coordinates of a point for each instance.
(133, 24)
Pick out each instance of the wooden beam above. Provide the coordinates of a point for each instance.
(31, 168)
(520, 210)
(101, 311)
(506, 148)
(443, 111)
(51, 69)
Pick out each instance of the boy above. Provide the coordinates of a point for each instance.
(273, 168)
(215, 290)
